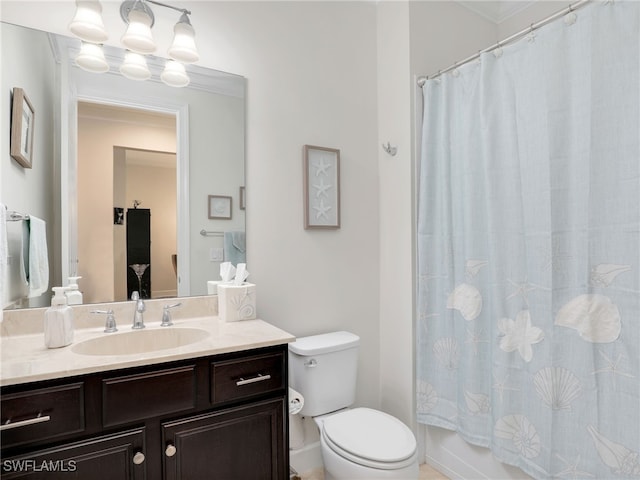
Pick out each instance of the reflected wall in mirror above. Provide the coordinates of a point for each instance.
(136, 151)
(209, 130)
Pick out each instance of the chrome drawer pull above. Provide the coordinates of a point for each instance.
(259, 378)
(39, 419)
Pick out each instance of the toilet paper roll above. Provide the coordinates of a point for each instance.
(296, 402)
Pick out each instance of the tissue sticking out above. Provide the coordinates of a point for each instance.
(232, 275)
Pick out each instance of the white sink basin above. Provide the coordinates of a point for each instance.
(140, 341)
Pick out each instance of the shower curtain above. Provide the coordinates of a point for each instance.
(528, 248)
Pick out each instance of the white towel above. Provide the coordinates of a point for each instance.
(35, 257)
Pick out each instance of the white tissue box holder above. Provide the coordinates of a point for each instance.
(212, 286)
(236, 302)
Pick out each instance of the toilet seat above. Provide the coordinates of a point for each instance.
(370, 438)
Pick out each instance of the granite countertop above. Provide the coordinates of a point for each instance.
(26, 359)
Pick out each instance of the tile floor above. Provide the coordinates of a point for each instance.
(426, 473)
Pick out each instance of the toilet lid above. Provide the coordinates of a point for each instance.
(367, 436)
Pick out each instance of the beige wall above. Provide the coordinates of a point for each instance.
(156, 188)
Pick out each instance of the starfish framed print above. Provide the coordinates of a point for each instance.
(321, 187)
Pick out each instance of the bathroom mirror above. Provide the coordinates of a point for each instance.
(80, 114)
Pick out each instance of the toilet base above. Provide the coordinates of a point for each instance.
(338, 468)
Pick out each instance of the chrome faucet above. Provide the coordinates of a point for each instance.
(110, 325)
(166, 315)
(138, 319)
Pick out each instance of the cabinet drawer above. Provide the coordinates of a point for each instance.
(247, 376)
(42, 414)
(99, 458)
(130, 398)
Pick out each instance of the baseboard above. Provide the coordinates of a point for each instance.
(449, 453)
(306, 458)
(463, 471)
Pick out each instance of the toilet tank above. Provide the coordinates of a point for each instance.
(323, 368)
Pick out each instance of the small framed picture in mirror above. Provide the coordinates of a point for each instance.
(219, 207)
(321, 187)
(22, 125)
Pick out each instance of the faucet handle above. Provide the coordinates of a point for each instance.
(166, 315)
(135, 295)
(110, 325)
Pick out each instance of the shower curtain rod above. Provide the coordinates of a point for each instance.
(506, 41)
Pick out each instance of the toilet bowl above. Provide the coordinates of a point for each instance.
(356, 443)
(363, 443)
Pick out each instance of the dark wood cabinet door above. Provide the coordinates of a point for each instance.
(109, 457)
(244, 443)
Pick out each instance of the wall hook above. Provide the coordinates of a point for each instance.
(389, 149)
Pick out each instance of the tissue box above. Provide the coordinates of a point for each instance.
(212, 286)
(237, 302)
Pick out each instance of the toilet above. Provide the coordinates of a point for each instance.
(356, 443)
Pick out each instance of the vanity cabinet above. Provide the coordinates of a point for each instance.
(217, 417)
(226, 444)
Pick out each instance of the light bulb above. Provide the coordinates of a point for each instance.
(138, 37)
(174, 74)
(183, 47)
(135, 67)
(91, 58)
(87, 23)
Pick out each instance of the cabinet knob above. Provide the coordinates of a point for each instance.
(138, 458)
(170, 451)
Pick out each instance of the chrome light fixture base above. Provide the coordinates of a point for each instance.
(127, 6)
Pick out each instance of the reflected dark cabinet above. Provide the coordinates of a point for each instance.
(218, 417)
(139, 252)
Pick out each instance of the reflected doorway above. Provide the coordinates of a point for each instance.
(126, 163)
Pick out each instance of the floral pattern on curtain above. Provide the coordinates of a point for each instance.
(528, 305)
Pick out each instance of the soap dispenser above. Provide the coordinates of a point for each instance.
(74, 296)
(58, 321)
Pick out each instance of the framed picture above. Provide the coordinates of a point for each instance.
(219, 207)
(22, 123)
(118, 216)
(321, 187)
(242, 198)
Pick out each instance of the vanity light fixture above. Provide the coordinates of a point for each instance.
(87, 24)
(135, 67)
(174, 74)
(91, 58)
